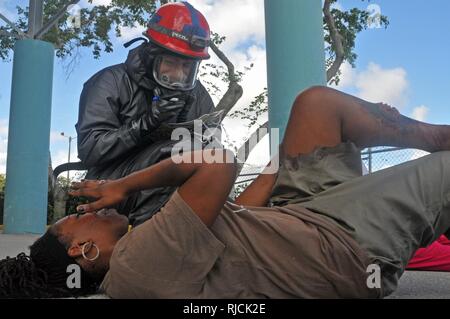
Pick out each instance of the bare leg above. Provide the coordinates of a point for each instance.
(323, 116)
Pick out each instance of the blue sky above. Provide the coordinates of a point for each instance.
(416, 41)
(405, 65)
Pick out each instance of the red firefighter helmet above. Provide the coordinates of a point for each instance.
(180, 28)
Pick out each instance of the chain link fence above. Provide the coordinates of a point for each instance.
(374, 159)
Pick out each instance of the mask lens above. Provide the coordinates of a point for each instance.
(175, 73)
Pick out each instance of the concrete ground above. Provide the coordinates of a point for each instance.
(413, 284)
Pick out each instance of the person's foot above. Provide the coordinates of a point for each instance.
(429, 137)
(413, 133)
(437, 137)
(392, 111)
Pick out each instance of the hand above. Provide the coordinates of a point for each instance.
(164, 107)
(107, 193)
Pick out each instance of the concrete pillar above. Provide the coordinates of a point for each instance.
(25, 208)
(295, 53)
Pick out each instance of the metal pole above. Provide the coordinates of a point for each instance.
(19, 32)
(295, 54)
(68, 161)
(35, 17)
(54, 20)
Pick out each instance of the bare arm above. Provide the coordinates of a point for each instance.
(203, 186)
(259, 191)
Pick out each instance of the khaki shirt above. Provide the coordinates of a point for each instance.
(249, 252)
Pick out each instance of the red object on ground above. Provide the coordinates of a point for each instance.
(435, 257)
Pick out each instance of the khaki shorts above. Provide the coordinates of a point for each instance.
(390, 213)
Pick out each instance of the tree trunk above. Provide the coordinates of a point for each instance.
(336, 41)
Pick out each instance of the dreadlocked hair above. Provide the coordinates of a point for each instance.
(42, 274)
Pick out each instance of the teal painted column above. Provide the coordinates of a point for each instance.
(295, 54)
(25, 208)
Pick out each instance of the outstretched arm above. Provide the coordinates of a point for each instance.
(204, 184)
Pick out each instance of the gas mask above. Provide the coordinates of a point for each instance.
(175, 73)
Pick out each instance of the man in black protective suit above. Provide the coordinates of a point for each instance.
(125, 108)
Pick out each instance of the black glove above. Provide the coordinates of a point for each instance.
(164, 107)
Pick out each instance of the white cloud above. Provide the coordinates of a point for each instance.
(4, 127)
(60, 156)
(128, 33)
(101, 2)
(377, 84)
(227, 17)
(59, 148)
(254, 80)
(383, 85)
(56, 137)
(86, 4)
(420, 113)
(347, 77)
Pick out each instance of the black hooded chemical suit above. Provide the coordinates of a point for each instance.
(114, 139)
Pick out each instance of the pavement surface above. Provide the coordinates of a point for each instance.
(413, 284)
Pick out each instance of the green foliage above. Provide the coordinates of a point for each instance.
(97, 26)
(2, 183)
(240, 188)
(217, 39)
(71, 202)
(349, 24)
(253, 112)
